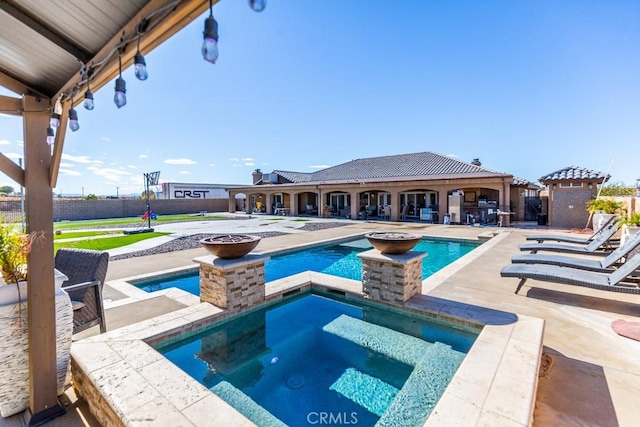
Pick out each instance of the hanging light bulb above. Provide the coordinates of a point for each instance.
(88, 99)
(120, 97)
(54, 121)
(258, 5)
(139, 64)
(73, 120)
(210, 42)
(50, 136)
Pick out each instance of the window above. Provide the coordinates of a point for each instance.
(571, 185)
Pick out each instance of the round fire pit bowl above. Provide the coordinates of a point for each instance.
(393, 242)
(230, 246)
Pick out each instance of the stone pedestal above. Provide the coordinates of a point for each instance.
(233, 284)
(391, 278)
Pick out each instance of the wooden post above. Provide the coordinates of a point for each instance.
(43, 400)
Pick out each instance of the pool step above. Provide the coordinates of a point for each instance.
(393, 344)
(369, 392)
(434, 367)
(245, 405)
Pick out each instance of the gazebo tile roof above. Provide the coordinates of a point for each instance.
(574, 173)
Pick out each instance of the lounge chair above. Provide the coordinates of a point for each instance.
(573, 239)
(619, 280)
(606, 264)
(86, 270)
(310, 210)
(601, 243)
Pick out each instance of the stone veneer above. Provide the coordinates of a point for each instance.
(233, 284)
(390, 278)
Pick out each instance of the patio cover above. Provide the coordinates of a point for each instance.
(43, 45)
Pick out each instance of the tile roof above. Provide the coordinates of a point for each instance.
(425, 164)
(295, 176)
(574, 173)
(521, 182)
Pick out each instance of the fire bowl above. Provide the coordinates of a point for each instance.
(393, 242)
(230, 246)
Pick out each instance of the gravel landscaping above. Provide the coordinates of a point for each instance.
(193, 241)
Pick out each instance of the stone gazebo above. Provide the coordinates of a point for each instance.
(569, 191)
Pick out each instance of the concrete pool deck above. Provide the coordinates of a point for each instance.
(589, 375)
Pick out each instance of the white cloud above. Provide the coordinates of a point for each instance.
(179, 162)
(184, 173)
(318, 166)
(68, 172)
(5, 142)
(211, 164)
(20, 143)
(247, 159)
(111, 175)
(132, 167)
(67, 165)
(80, 159)
(234, 159)
(143, 156)
(249, 164)
(104, 138)
(13, 155)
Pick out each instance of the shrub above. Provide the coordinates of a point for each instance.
(607, 206)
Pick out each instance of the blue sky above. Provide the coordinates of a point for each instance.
(526, 87)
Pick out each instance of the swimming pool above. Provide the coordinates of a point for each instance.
(312, 357)
(338, 260)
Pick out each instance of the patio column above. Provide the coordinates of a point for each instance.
(43, 400)
(395, 205)
(232, 202)
(443, 204)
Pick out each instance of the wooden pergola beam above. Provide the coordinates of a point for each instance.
(58, 145)
(12, 170)
(43, 402)
(182, 14)
(15, 85)
(10, 105)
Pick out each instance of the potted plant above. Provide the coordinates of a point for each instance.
(14, 337)
(602, 210)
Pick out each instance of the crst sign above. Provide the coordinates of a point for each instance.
(190, 194)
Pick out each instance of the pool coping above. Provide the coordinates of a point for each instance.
(127, 382)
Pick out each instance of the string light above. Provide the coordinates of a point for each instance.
(88, 97)
(54, 121)
(210, 35)
(139, 64)
(257, 5)
(120, 97)
(73, 119)
(50, 136)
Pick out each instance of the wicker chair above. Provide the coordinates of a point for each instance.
(86, 270)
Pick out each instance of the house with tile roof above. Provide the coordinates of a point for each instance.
(423, 185)
(569, 189)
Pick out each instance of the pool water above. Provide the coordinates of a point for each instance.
(312, 357)
(338, 260)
